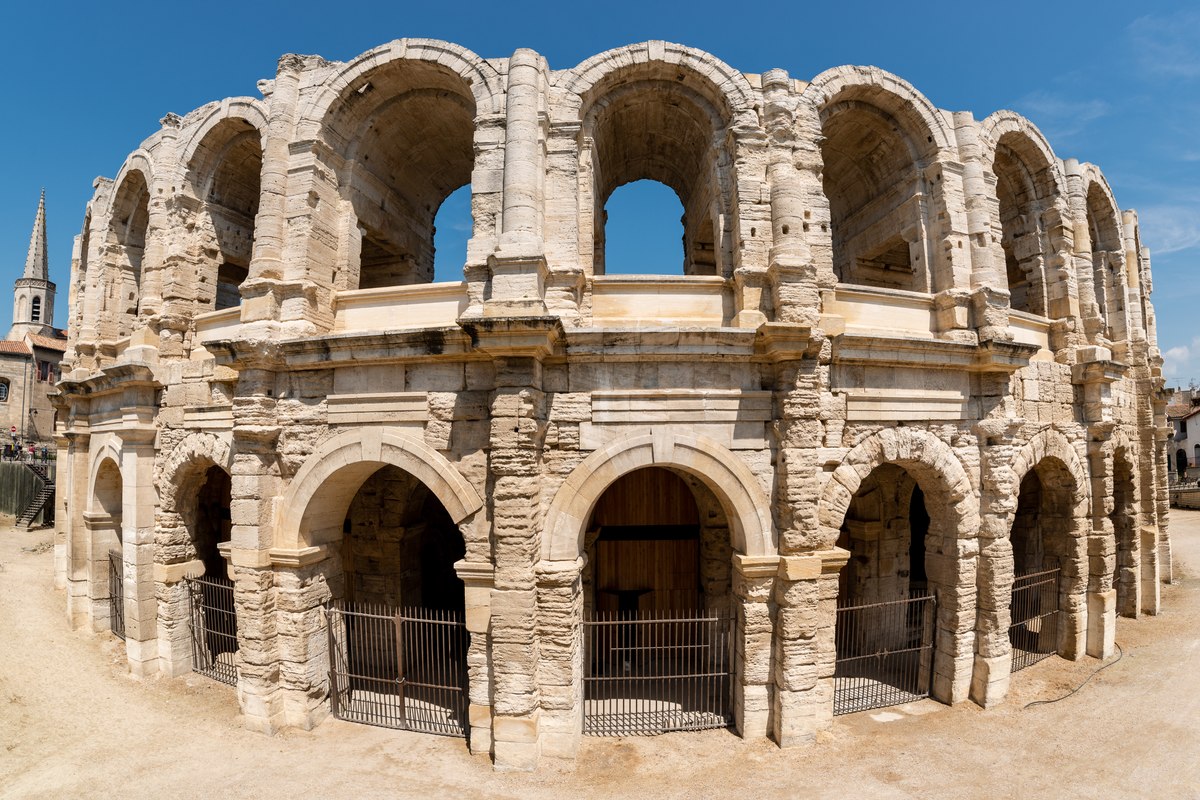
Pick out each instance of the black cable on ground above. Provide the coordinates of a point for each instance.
(1120, 655)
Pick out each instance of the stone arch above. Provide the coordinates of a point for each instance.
(880, 141)
(1102, 216)
(1035, 147)
(107, 453)
(125, 243)
(889, 92)
(721, 83)
(480, 78)
(247, 109)
(1049, 442)
(315, 503)
(196, 452)
(933, 464)
(223, 161)
(953, 511)
(746, 505)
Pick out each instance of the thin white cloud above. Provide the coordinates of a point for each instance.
(1181, 363)
(1170, 228)
(1168, 45)
(1060, 116)
(1173, 359)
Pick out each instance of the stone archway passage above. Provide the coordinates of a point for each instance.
(885, 618)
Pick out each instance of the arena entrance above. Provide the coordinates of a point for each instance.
(658, 629)
(885, 610)
(108, 543)
(212, 616)
(397, 629)
(1039, 535)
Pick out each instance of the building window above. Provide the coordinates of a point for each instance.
(3, 391)
(36, 313)
(44, 371)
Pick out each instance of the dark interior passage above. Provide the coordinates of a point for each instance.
(213, 522)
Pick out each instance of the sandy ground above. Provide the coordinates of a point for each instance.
(73, 723)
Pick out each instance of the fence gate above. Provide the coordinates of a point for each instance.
(884, 654)
(214, 628)
(654, 674)
(116, 593)
(403, 668)
(1033, 632)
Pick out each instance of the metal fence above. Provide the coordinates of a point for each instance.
(116, 593)
(884, 654)
(657, 673)
(1033, 632)
(399, 668)
(214, 628)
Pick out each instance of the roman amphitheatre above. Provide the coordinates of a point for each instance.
(894, 431)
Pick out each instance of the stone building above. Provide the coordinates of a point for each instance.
(911, 355)
(30, 353)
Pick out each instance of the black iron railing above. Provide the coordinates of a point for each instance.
(654, 673)
(214, 628)
(399, 668)
(884, 654)
(116, 593)
(1033, 631)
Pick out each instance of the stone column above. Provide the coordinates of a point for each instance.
(753, 582)
(806, 592)
(100, 532)
(990, 301)
(517, 422)
(1101, 550)
(1093, 323)
(518, 267)
(791, 160)
(77, 530)
(478, 580)
(301, 636)
(137, 520)
(560, 649)
(994, 576)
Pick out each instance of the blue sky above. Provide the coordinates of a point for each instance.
(1115, 83)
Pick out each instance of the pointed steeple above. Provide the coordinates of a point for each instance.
(36, 263)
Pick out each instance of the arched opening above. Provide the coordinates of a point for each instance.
(226, 174)
(398, 631)
(1021, 234)
(409, 133)
(875, 187)
(107, 557)
(212, 523)
(657, 600)
(35, 310)
(1107, 254)
(22, 308)
(213, 612)
(1181, 463)
(1127, 567)
(452, 230)
(126, 248)
(662, 131)
(1043, 562)
(643, 223)
(885, 618)
(1196, 455)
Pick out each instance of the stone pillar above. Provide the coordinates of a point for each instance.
(255, 485)
(1101, 551)
(1150, 571)
(77, 530)
(791, 160)
(1093, 323)
(63, 505)
(137, 521)
(174, 616)
(478, 580)
(994, 576)
(753, 582)
(806, 592)
(517, 421)
(301, 635)
(560, 662)
(518, 267)
(101, 537)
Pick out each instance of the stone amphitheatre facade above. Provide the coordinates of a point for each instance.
(910, 354)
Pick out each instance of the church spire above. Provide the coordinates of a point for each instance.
(36, 263)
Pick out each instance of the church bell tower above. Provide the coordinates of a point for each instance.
(33, 293)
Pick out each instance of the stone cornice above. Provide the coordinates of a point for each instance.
(988, 356)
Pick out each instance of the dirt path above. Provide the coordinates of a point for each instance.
(74, 724)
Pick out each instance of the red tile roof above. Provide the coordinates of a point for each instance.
(15, 347)
(48, 343)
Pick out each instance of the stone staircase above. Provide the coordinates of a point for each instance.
(44, 495)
